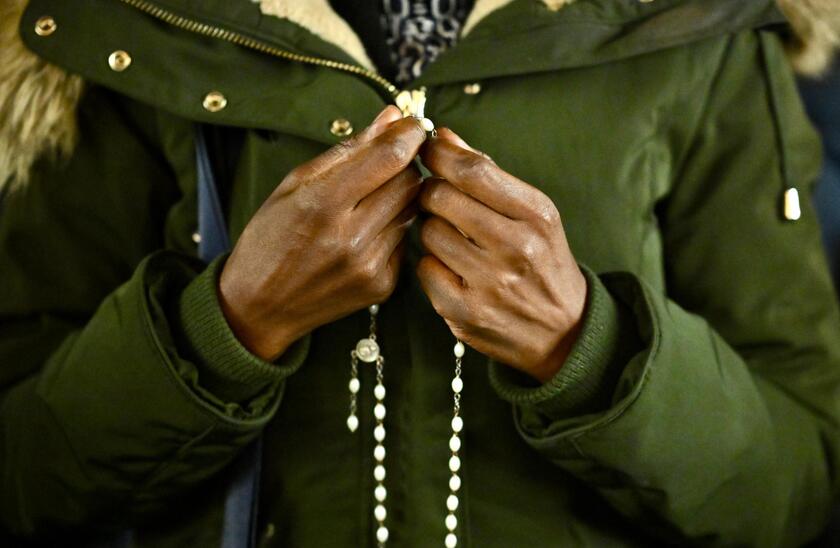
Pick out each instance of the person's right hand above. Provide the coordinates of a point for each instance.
(327, 241)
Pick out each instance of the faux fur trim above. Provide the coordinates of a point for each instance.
(37, 102)
(320, 19)
(483, 8)
(816, 24)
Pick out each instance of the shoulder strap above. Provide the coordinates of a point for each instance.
(240, 518)
(211, 218)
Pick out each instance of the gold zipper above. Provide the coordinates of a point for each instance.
(410, 102)
(241, 40)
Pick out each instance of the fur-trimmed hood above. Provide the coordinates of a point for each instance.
(38, 100)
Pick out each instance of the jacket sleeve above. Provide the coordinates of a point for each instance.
(710, 414)
(121, 385)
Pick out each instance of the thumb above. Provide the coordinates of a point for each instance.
(388, 116)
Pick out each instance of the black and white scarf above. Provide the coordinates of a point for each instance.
(417, 31)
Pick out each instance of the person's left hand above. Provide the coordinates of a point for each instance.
(499, 269)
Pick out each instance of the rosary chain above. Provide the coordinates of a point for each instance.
(452, 501)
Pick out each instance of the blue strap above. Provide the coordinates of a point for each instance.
(211, 219)
(240, 518)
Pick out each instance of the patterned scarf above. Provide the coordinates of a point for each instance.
(417, 31)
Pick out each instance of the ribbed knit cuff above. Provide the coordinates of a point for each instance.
(587, 381)
(226, 368)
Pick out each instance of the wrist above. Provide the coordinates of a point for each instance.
(546, 369)
(255, 329)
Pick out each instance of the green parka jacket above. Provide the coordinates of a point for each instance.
(700, 404)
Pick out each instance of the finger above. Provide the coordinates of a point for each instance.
(442, 286)
(394, 262)
(380, 207)
(448, 134)
(479, 223)
(443, 240)
(378, 160)
(385, 118)
(479, 177)
(387, 241)
(339, 153)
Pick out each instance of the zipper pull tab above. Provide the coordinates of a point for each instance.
(413, 103)
(791, 208)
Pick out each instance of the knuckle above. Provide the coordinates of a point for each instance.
(344, 148)
(382, 287)
(475, 166)
(396, 152)
(431, 234)
(547, 213)
(423, 268)
(366, 272)
(439, 193)
(340, 151)
(530, 249)
(427, 232)
(296, 175)
(309, 208)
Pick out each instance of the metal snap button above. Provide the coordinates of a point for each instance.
(214, 101)
(341, 127)
(45, 26)
(269, 532)
(119, 60)
(472, 89)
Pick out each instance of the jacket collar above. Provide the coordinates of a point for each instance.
(816, 25)
(318, 17)
(38, 99)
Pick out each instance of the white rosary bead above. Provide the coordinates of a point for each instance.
(379, 411)
(451, 522)
(452, 503)
(426, 124)
(459, 349)
(380, 494)
(379, 472)
(367, 350)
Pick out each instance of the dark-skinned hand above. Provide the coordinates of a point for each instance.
(498, 269)
(327, 241)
